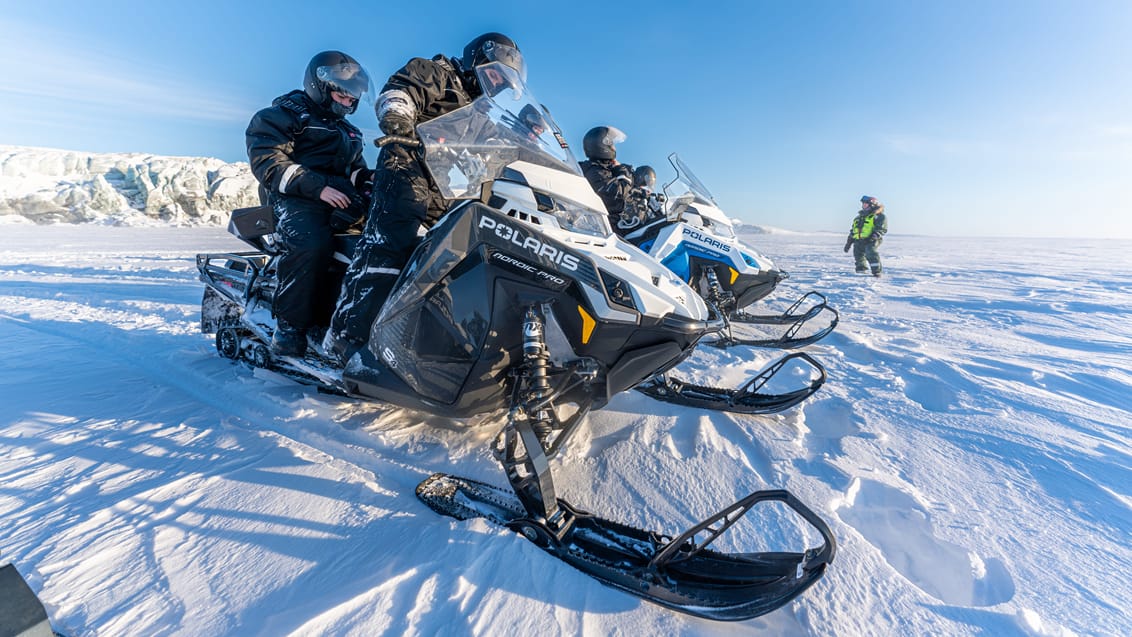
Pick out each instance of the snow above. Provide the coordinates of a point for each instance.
(971, 452)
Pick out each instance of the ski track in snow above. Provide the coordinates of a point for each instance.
(970, 450)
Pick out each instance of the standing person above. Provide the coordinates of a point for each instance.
(866, 234)
(308, 160)
(610, 179)
(404, 198)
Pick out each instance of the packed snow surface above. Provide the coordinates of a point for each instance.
(971, 452)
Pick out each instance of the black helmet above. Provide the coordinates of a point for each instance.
(530, 117)
(644, 177)
(871, 201)
(494, 47)
(598, 142)
(335, 71)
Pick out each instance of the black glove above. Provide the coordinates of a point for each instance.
(848, 244)
(363, 183)
(396, 124)
(363, 179)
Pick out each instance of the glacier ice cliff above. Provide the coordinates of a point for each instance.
(43, 186)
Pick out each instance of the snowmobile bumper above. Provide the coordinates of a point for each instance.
(748, 399)
(679, 572)
(793, 317)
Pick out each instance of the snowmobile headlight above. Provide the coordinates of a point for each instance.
(575, 217)
(750, 260)
(618, 291)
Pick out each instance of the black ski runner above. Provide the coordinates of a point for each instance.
(680, 573)
(745, 400)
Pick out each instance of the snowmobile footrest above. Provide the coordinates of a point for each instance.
(680, 573)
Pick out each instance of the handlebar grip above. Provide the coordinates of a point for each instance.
(397, 139)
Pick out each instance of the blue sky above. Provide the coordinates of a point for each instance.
(1007, 118)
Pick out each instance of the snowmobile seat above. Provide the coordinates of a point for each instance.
(251, 223)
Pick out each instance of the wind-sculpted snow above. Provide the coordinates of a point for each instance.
(43, 185)
(970, 450)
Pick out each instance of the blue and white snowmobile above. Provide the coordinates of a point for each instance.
(695, 239)
(521, 300)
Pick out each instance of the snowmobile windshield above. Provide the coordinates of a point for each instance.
(686, 183)
(473, 145)
(686, 195)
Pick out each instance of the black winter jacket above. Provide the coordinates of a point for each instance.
(435, 87)
(295, 147)
(611, 182)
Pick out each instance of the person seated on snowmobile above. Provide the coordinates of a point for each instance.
(644, 204)
(611, 180)
(866, 234)
(406, 200)
(531, 123)
(308, 160)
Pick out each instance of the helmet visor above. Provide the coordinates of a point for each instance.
(509, 55)
(613, 136)
(348, 77)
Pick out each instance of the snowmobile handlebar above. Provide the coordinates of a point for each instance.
(382, 142)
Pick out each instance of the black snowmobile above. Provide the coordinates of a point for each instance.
(690, 235)
(521, 299)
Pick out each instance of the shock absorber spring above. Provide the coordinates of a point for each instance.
(537, 359)
(713, 283)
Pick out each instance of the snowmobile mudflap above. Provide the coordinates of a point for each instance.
(746, 399)
(791, 317)
(680, 573)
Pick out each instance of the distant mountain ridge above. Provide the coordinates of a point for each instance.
(45, 185)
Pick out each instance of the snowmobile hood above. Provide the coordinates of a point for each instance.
(563, 207)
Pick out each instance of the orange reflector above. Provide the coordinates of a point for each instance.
(588, 324)
(734, 275)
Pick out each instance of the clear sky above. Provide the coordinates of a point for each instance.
(964, 117)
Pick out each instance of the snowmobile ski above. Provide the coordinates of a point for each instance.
(792, 317)
(745, 400)
(680, 572)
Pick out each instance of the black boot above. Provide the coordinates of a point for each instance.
(289, 340)
(340, 347)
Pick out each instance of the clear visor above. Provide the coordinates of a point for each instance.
(348, 78)
(509, 55)
(614, 136)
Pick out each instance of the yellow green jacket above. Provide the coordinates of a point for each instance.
(869, 224)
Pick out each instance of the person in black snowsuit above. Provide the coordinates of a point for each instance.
(611, 180)
(308, 160)
(405, 200)
(644, 203)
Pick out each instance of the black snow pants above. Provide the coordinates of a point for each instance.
(303, 227)
(404, 201)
